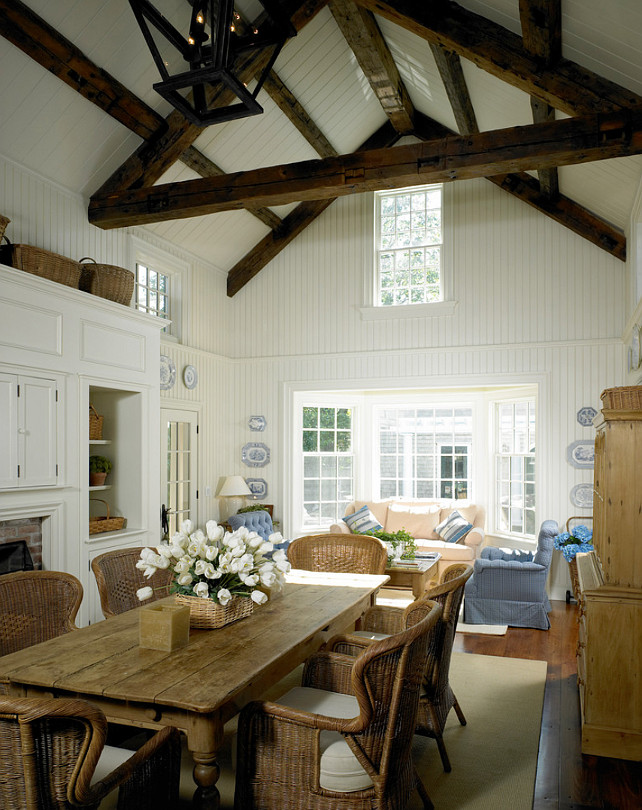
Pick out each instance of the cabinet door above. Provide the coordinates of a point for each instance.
(37, 432)
(8, 431)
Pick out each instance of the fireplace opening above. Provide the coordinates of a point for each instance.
(20, 545)
(15, 556)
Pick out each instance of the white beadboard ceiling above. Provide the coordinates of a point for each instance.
(51, 130)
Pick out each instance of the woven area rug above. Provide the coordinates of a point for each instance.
(493, 757)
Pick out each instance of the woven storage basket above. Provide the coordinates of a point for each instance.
(209, 615)
(98, 525)
(95, 423)
(625, 398)
(40, 262)
(107, 281)
(4, 221)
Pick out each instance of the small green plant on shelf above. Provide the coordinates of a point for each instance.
(254, 507)
(394, 540)
(99, 464)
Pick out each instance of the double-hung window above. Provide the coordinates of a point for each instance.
(515, 467)
(425, 452)
(160, 287)
(409, 240)
(328, 464)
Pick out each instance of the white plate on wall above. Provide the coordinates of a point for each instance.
(167, 372)
(190, 377)
(255, 454)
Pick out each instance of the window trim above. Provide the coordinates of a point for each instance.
(178, 273)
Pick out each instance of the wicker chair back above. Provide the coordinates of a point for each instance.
(339, 553)
(118, 579)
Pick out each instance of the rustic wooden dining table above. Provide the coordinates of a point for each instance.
(197, 688)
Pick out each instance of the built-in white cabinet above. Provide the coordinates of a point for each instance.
(61, 349)
(28, 436)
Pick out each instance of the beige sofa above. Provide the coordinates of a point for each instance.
(419, 518)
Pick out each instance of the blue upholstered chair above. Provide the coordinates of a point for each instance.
(259, 522)
(509, 586)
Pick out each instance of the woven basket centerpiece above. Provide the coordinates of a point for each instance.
(208, 615)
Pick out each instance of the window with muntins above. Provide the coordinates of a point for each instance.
(152, 291)
(328, 464)
(409, 240)
(425, 452)
(515, 468)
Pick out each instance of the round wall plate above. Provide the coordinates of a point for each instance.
(190, 377)
(167, 372)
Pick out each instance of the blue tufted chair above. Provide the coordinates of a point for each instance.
(509, 586)
(259, 522)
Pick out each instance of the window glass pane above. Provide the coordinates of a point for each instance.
(327, 418)
(310, 441)
(311, 466)
(515, 483)
(326, 441)
(310, 417)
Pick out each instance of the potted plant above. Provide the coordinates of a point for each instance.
(99, 466)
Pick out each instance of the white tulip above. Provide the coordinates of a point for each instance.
(164, 550)
(187, 527)
(224, 596)
(268, 578)
(210, 572)
(180, 540)
(202, 589)
(255, 541)
(199, 568)
(278, 555)
(259, 597)
(148, 570)
(265, 547)
(211, 552)
(144, 593)
(199, 536)
(185, 579)
(276, 537)
(249, 579)
(214, 531)
(283, 565)
(183, 565)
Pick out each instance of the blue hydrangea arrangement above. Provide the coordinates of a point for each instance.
(577, 540)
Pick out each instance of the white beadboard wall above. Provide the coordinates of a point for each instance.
(536, 304)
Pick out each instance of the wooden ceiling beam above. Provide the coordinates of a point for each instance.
(38, 40)
(205, 167)
(563, 210)
(566, 86)
(542, 37)
(457, 157)
(366, 41)
(452, 75)
(293, 224)
(152, 159)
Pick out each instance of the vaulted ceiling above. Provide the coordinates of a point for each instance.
(543, 98)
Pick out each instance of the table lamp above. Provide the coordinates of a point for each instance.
(234, 490)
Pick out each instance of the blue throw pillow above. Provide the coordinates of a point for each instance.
(453, 528)
(362, 521)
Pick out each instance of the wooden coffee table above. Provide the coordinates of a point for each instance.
(415, 576)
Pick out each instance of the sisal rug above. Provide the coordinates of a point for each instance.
(493, 757)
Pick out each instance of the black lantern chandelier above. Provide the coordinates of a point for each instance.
(195, 67)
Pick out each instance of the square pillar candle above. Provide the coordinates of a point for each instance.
(163, 627)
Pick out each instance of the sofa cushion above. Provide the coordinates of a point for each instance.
(362, 521)
(467, 510)
(453, 528)
(419, 521)
(450, 552)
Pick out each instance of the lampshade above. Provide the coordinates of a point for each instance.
(216, 52)
(234, 487)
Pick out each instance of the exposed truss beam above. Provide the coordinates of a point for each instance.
(542, 36)
(452, 75)
(570, 141)
(293, 224)
(202, 165)
(567, 87)
(366, 41)
(29, 32)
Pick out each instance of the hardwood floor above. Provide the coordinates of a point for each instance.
(566, 780)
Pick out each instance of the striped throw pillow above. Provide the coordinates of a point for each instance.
(453, 528)
(362, 521)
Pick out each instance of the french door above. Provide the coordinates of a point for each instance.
(179, 468)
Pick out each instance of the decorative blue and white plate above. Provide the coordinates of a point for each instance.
(255, 454)
(582, 496)
(581, 454)
(190, 377)
(586, 415)
(167, 372)
(256, 423)
(258, 487)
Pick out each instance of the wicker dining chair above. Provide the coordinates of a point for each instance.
(51, 752)
(437, 697)
(339, 553)
(343, 739)
(118, 579)
(36, 606)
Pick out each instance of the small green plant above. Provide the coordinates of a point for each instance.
(255, 507)
(394, 539)
(99, 464)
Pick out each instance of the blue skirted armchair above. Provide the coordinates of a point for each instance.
(509, 586)
(258, 521)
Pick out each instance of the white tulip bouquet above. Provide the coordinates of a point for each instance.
(216, 564)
